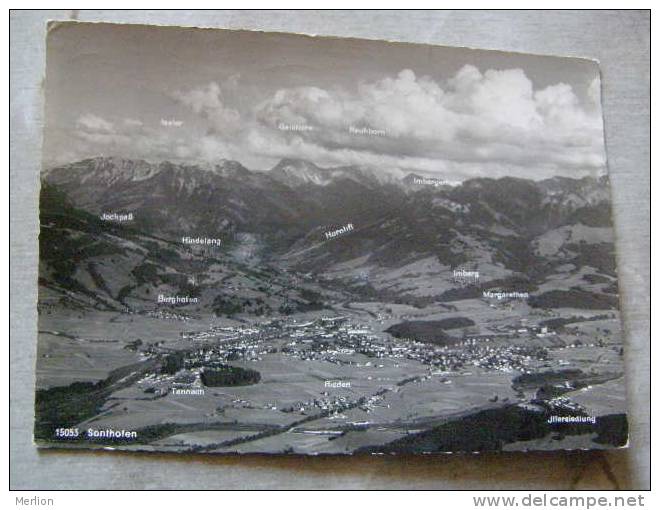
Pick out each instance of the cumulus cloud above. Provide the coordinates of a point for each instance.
(128, 137)
(495, 116)
(133, 122)
(493, 122)
(208, 103)
(94, 124)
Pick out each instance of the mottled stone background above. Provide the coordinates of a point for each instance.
(620, 40)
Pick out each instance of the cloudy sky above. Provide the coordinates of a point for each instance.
(205, 95)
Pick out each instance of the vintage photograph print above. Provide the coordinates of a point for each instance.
(259, 242)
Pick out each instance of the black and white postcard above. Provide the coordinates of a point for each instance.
(259, 242)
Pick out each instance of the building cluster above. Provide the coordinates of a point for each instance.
(479, 352)
(333, 405)
(338, 339)
(342, 341)
(167, 315)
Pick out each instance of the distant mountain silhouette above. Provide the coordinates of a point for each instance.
(516, 226)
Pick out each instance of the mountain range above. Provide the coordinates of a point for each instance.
(406, 237)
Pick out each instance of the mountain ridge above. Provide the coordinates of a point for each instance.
(290, 207)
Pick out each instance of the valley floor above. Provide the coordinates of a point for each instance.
(330, 382)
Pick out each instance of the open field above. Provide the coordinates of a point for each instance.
(291, 408)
